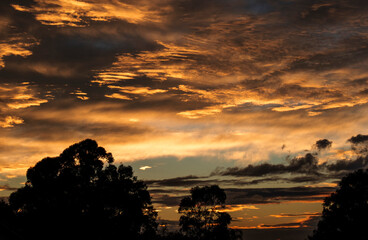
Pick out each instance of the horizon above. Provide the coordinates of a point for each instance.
(267, 99)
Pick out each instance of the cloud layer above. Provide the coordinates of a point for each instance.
(245, 86)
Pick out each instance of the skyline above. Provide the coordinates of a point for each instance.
(235, 93)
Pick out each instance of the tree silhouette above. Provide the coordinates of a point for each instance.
(8, 226)
(202, 217)
(345, 212)
(82, 194)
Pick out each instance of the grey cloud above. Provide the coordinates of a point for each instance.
(276, 195)
(323, 144)
(347, 165)
(359, 144)
(306, 164)
(266, 31)
(178, 181)
(192, 181)
(167, 200)
(358, 139)
(239, 196)
(349, 51)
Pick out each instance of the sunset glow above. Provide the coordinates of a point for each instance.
(234, 93)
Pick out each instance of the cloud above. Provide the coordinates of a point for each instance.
(145, 168)
(14, 47)
(240, 207)
(133, 92)
(237, 46)
(359, 143)
(246, 197)
(276, 195)
(224, 81)
(306, 164)
(17, 96)
(166, 200)
(74, 13)
(209, 61)
(176, 182)
(358, 139)
(13, 43)
(287, 215)
(348, 165)
(323, 144)
(10, 121)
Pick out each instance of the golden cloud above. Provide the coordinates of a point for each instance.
(16, 46)
(10, 121)
(73, 12)
(19, 96)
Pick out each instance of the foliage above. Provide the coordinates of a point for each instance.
(82, 194)
(202, 217)
(345, 212)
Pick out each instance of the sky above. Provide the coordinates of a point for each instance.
(264, 98)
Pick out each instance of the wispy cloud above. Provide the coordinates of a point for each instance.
(252, 83)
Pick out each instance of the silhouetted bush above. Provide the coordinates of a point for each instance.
(345, 212)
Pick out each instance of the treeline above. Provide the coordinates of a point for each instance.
(81, 194)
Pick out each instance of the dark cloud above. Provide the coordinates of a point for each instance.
(256, 64)
(61, 130)
(177, 182)
(276, 195)
(192, 181)
(251, 170)
(335, 58)
(74, 53)
(347, 165)
(305, 179)
(215, 35)
(167, 200)
(323, 144)
(305, 92)
(358, 139)
(307, 164)
(359, 144)
(238, 196)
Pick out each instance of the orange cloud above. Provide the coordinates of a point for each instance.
(10, 121)
(80, 95)
(15, 46)
(141, 91)
(73, 12)
(19, 96)
(236, 208)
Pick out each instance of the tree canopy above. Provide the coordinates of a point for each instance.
(202, 217)
(81, 193)
(345, 212)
